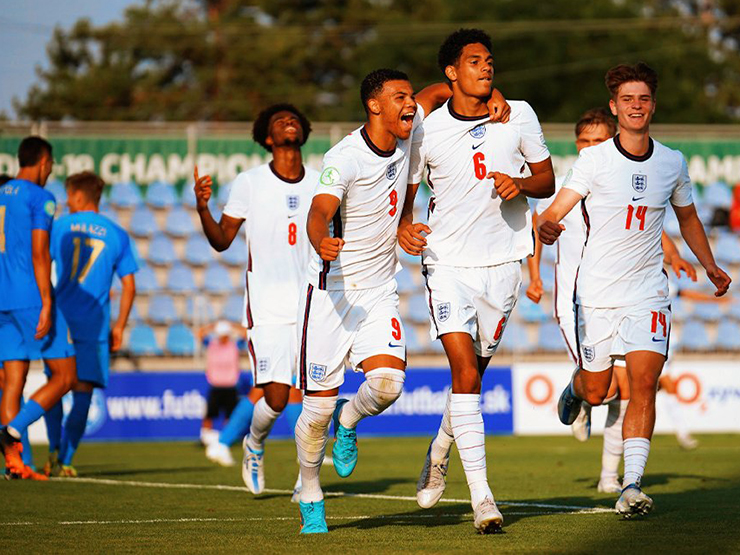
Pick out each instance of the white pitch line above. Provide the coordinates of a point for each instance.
(579, 509)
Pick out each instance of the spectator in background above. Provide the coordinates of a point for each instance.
(222, 373)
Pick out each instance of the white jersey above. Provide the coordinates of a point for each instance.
(625, 198)
(471, 225)
(371, 186)
(275, 212)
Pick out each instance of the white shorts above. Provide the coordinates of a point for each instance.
(340, 326)
(272, 350)
(477, 301)
(607, 334)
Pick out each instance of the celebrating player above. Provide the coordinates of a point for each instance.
(479, 230)
(622, 304)
(88, 249)
(273, 199)
(31, 326)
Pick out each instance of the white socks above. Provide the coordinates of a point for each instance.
(611, 454)
(443, 442)
(636, 451)
(380, 389)
(467, 427)
(263, 419)
(311, 433)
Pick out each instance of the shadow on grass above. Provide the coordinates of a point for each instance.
(95, 471)
(364, 487)
(661, 479)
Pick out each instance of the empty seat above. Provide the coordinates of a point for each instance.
(413, 345)
(405, 282)
(161, 310)
(727, 249)
(694, 337)
(734, 310)
(57, 189)
(707, 311)
(109, 213)
(161, 251)
(197, 250)
(187, 195)
(143, 342)
(549, 338)
(180, 341)
(160, 195)
(178, 222)
(223, 194)
(417, 309)
(515, 339)
(146, 281)
(718, 195)
(529, 311)
(199, 310)
(142, 223)
(728, 336)
(115, 306)
(217, 279)
(125, 195)
(236, 254)
(180, 280)
(233, 308)
(680, 309)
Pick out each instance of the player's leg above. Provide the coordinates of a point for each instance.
(15, 378)
(612, 449)
(74, 426)
(53, 418)
(266, 412)
(235, 429)
(207, 433)
(565, 314)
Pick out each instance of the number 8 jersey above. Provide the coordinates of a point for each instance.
(625, 198)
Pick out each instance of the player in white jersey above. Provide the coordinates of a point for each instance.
(623, 310)
(273, 199)
(350, 311)
(479, 231)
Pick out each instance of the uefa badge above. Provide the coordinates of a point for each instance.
(390, 171)
(293, 201)
(639, 182)
(589, 353)
(317, 372)
(478, 132)
(443, 311)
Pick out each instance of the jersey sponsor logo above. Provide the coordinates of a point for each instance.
(263, 365)
(317, 372)
(589, 353)
(475, 147)
(443, 311)
(478, 132)
(639, 182)
(329, 176)
(293, 201)
(50, 207)
(390, 171)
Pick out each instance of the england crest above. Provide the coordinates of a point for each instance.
(390, 171)
(293, 201)
(639, 182)
(443, 311)
(263, 365)
(317, 372)
(478, 132)
(589, 353)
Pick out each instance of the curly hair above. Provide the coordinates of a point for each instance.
(597, 116)
(373, 83)
(261, 127)
(624, 73)
(452, 47)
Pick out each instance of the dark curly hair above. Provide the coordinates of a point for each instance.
(452, 47)
(624, 73)
(261, 127)
(373, 83)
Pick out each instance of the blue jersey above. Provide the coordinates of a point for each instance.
(87, 249)
(24, 206)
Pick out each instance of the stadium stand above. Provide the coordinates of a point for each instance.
(143, 342)
(417, 309)
(142, 222)
(405, 282)
(179, 223)
(707, 312)
(187, 197)
(217, 279)
(199, 310)
(125, 195)
(233, 308)
(160, 195)
(549, 338)
(694, 337)
(530, 312)
(197, 250)
(180, 280)
(162, 310)
(161, 251)
(180, 341)
(236, 254)
(728, 336)
(727, 249)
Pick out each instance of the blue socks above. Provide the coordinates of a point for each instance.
(53, 418)
(29, 414)
(27, 454)
(239, 422)
(74, 427)
(292, 412)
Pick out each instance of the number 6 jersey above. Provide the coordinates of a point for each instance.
(625, 198)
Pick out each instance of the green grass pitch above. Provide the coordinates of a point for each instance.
(543, 478)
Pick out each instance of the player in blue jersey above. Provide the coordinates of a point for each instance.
(88, 249)
(31, 327)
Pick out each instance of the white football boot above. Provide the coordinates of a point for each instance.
(488, 519)
(609, 485)
(581, 428)
(220, 453)
(633, 501)
(253, 469)
(432, 481)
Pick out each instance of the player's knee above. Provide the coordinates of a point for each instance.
(386, 384)
(276, 403)
(644, 385)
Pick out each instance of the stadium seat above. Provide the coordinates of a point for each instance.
(111, 214)
(529, 311)
(413, 345)
(717, 195)
(142, 223)
(680, 309)
(405, 282)
(549, 338)
(547, 275)
(160, 195)
(180, 341)
(728, 336)
(707, 312)
(115, 306)
(417, 309)
(125, 195)
(727, 249)
(197, 250)
(734, 310)
(223, 194)
(217, 279)
(161, 251)
(694, 337)
(143, 342)
(180, 280)
(56, 188)
(233, 308)
(146, 280)
(161, 310)
(178, 222)
(515, 339)
(236, 254)
(199, 310)
(187, 195)
(685, 282)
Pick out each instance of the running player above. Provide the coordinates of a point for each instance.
(88, 249)
(273, 199)
(622, 304)
(31, 326)
(479, 231)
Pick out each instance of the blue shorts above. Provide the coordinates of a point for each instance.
(17, 329)
(92, 362)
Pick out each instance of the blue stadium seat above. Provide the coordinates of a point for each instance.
(694, 337)
(549, 338)
(728, 336)
(707, 312)
(125, 195)
(515, 339)
(197, 250)
(236, 254)
(143, 342)
(56, 188)
(199, 310)
(146, 281)
(233, 309)
(686, 283)
(178, 222)
(529, 311)
(680, 309)
(187, 195)
(405, 282)
(727, 249)
(413, 345)
(111, 214)
(717, 195)
(217, 279)
(161, 251)
(547, 275)
(223, 194)
(160, 195)
(142, 223)
(417, 309)
(180, 280)
(180, 341)
(115, 306)
(734, 310)
(161, 310)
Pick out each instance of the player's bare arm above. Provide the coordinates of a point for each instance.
(549, 227)
(128, 293)
(541, 184)
(410, 237)
(219, 234)
(535, 289)
(693, 233)
(321, 213)
(435, 95)
(673, 258)
(42, 272)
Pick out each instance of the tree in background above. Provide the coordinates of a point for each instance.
(223, 60)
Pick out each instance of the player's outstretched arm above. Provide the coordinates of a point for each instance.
(323, 208)
(672, 258)
(432, 97)
(128, 293)
(549, 227)
(219, 234)
(693, 233)
(409, 234)
(42, 272)
(535, 289)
